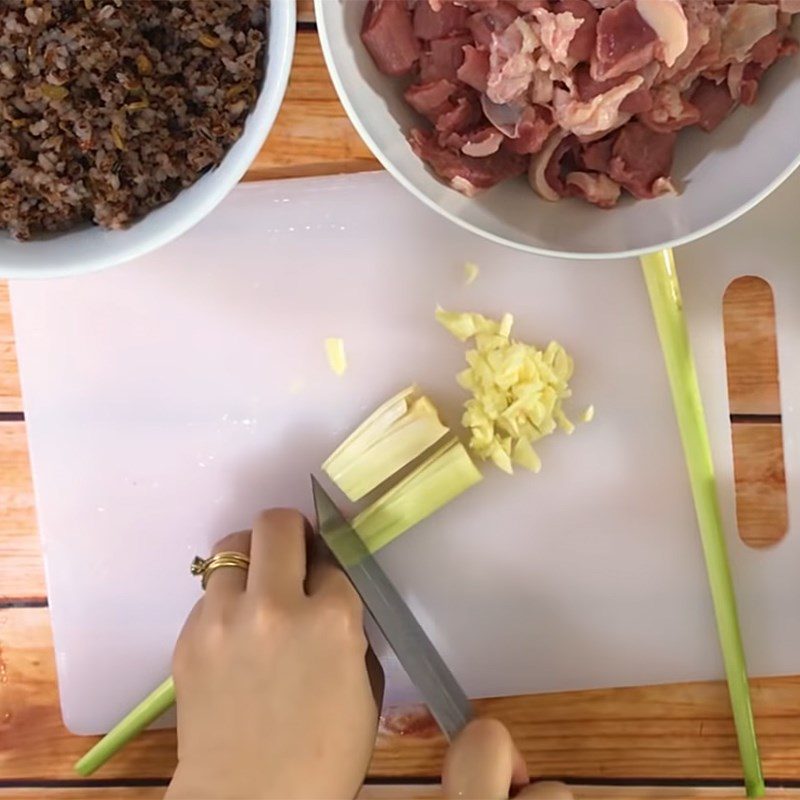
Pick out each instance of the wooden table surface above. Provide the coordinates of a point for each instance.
(612, 743)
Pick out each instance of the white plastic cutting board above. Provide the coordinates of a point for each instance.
(170, 399)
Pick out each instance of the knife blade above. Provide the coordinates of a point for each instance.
(440, 691)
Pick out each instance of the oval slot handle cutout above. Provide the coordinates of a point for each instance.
(754, 396)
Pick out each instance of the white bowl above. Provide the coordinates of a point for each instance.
(91, 248)
(722, 174)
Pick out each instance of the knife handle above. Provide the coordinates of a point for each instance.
(148, 711)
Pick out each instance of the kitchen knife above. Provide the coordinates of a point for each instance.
(440, 691)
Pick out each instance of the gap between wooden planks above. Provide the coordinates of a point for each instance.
(675, 732)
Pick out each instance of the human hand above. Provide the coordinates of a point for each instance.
(274, 696)
(483, 763)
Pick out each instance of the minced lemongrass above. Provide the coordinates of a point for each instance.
(517, 390)
(337, 358)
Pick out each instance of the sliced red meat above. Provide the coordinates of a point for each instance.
(526, 6)
(670, 111)
(790, 47)
(767, 49)
(641, 160)
(511, 62)
(625, 42)
(637, 102)
(430, 24)
(491, 20)
(599, 190)
(462, 116)
(465, 173)
(474, 71)
(533, 129)
(596, 156)
(389, 37)
(482, 142)
(748, 90)
(562, 162)
(587, 88)
(713, 101)
(585, 111)
(582, 45)
(746, 24)
(443, 58)
(430, 99)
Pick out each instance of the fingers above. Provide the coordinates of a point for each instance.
(330, 585)
(278, 555)
(327, 584)
(483, 763)
(228, 582)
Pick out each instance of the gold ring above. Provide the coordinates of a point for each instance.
(205, 566)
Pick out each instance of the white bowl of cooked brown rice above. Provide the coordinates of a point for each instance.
(123, 124)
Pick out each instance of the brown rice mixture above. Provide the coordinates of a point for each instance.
(108, 108)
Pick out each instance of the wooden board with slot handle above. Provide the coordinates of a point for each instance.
(644, 734)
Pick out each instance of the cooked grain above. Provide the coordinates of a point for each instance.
(108, 108)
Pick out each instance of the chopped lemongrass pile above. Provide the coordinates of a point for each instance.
(471, 272)
(443, 476)
(517, 390)
(334, 349)
(399, 431)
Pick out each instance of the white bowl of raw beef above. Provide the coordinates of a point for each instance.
(222, 67)
(717, 175)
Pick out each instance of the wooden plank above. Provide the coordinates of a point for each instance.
(21, 569)
(305, 11)
(758, 462)
(403, 792)
(751, 344)
(312, 135)
(10, 394)
(672, 732)
(36, 746)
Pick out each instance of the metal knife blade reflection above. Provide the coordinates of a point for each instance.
(441, 692)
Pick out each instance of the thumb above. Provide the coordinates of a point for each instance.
(483, 763)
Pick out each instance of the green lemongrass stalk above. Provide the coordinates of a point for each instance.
(394, 435)
(665, 297)
(447, 473)
(148, 711)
